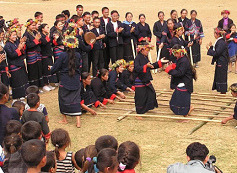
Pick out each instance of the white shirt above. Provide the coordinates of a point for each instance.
(98, 30)
(106, 21)
(115, 24)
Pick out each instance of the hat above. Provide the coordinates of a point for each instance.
(30, 22)
(144, 46)
(178, 27)
(225, 12)
(71, 29)
(118, 63)
(70, 41)
(219, 31)
(129, 64)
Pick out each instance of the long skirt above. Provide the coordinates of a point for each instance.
(180, 101)
(128, 52)
(18, 81)
(4, 77)
(47, 76)
(145, 97)
(69, 101)
(34, 68)
(220, 78)
(196, 52)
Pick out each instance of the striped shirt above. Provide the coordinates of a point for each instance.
(65, 165)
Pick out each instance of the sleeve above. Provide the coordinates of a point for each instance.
(15, 114)
(127, 32)
(45, 40)
(138, 67)
(45, 127)
(45, 111)
(157, 64)
(31, 43)
(11, 53)
(109, 92)
(96, 88)
(201, 34)
(112, 82)
(149, 35)
(219, 48)
(83, 46)
(219, 24)
(110, 32)
(57, 65)
(125, 79)
(180, 71)
(156, 31)
(136, 32)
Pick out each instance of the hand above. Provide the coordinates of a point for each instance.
(163, 33)
(23, 39)
(102, 36)
(164, 61)
(129, 89)
(200, 42)
(8, 74)
(2, 57)
(149, 65)
(21, 46)
(195, 36)
(38, 36)
(92, 112)
(104, 45)
(55, 36)
(110, 101)
(49, 67)
(1, 48)
(91, 27)
(188, 34)
(120, 29)
(121, 94)
(161, 45)
(210, 44)
(190, 44)
(207, 46)
(132, 29)
(102, 105)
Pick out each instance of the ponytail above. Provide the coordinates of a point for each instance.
(57, 152)
(12, 143)
(72, 61)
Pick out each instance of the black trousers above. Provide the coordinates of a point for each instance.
(97, 61)
(116, 53)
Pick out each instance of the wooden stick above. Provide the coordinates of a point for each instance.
(133, 50)
(125, 115)
(149, 55)
(158, 58)
(191, 54)
(163, 116)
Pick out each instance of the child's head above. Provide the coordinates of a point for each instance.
(60, 139)
(233, 27)
(96, 22)
(31, 130)
(197, 151)
(4, 94)
(130, 66)
(107, 161)
(50, 165)
(233, 89)
(90, 154)
(33, 153)
(103, 74)
(32, 89)
(128, 155)
(20, 106)
(33, 100)
(86, 78)
(12, 143)
(106, 141)
(79, 157)
(13, 126)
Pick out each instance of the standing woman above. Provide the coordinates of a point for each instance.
(182, 75)
(183, 18)
(174, 16)
(225, 22)
(33, 56)
(144, 31)
(219, 52)
(195, 31)
(69, 65)
(160, 29)
(131, 33)
(15, 50)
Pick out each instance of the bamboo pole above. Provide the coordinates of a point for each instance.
(125, 115)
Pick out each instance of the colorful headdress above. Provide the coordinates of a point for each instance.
(129, 64)
(178, 27)
(219, 31)
(10, 31)
(118, 63)
(233, 87)
(144, 46)
(30, 22)
(70, 41)
(225, 12)
(12, 22)
(71, 29)
(182, 51)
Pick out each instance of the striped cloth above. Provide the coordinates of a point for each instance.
(65, 165)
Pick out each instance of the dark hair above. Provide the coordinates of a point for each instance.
(104, 8)
(183, 10)
(232, 25)
(59, 138)
(32, 89)
(96, 18)
(59, 16)
(94, 12)
(89, 153)
(3, 90)
(32, 99)
(197, 151)
(56, 22)
(13, 126)
(31, 130)
(79, 157)
(160, 13)
(72, 61)
(86, 13)
(193, 11)
(106, 141)
(18, 105)
(172, 11)
(169, 20)
(176, 26)
(79, 6)
(12, 143)
(38, 13)
(85, 75)
(128, 154)
(42, 26)
(77, 18)
(102, 72)
(140, 15)
(32, 152)
(114, 11)
(50, 163)
(128, 14)
(66, 13)
(107, 158)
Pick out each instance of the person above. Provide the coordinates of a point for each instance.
(225, 22)
(145, 96)
(88, 98)
(65, 160)
(168, 38)
(197, 156)
(182, 81)
(87, 22)
(219, 52)
(127, 76)
(15, 51)
(94, 14)
(115, 32)
(128, 157)
(100, 88)
(13, 126)
(231, 39)
(98, 47)
(32, 114)
(194, 29)
(90, 159)
(6, 114)
(20, 107)
(67, 15)
(50, 165)
(106, 141)
(79, 158)
(33, 56)
(47, 53)
(143, 30)
(39, 16)
(233, 89)
(183, 18)
(107, 161)
(129, 37)
(174, 16)
(79, 10)
(31, 130)
(115, 82)
(69, 65)
(160, 29)
(37, 157)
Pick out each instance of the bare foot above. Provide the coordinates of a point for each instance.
(183, 121)
(190, 110)
(78, 125)
(139, 118)
(63, 122)
(224, 121)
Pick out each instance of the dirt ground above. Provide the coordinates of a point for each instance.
(162, 141)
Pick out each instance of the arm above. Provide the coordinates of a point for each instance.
(74, 162)
(218, 50)
(45, 128)
(156, 32)
(149, 33)
(112, 82)
(31, 43)
(83, 106)
(110, 31)
(180, 71)
(11, 53)
(57, 65)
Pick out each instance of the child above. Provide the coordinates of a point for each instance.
(97, 51)
(32, 114)
(107, 161)
(232, 47)
(90, 156)
(79, 158)
(65, 160)
(106, 141)
(31, 130)
(100, 88)
(33, 153)
(33, 59)
(87, 96)
(115, 82)
(20, 106)
(50, 165)
(233, 89)
(13, 126)
(128, 77)
(128, 157)
(41, 108)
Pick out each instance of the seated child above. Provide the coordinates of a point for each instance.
(31, 130)
(90, 156)
(128, 76)
(79, 158)
(32, 114)
(51, 165)
(20, 107)
(13, 126)
(106, 141)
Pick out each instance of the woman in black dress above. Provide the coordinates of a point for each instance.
(144, 31)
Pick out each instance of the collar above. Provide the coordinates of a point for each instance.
(128, 171)
(216, 42)
(196, 162)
